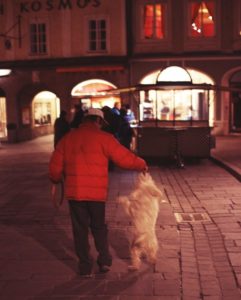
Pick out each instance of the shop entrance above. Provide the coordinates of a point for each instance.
(3, 116)
(86, 93)
(235, 102)
(45, 109)
(235, 112)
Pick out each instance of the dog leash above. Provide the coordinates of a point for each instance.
(57, 199)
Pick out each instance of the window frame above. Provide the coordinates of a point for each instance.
(201, 43)
(237, 25)
(239, 19)
(39, 43)
(154, 28)
(189, 29)
(97, 20)
(163, 3)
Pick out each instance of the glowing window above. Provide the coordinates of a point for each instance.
(45, 108)
(91, 87)
(154, 21)
(3, 116)
(240, 19)
(202, 18)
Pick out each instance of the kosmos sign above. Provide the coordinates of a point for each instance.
(48, 5)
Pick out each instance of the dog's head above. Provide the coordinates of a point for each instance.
(145, 182)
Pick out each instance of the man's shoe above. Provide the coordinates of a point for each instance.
(104, 269)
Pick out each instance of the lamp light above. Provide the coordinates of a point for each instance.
(5, 72)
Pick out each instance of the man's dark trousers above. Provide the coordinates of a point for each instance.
(85, 215)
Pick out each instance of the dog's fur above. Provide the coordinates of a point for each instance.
(142, 205)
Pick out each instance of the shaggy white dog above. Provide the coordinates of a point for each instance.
(142, 205)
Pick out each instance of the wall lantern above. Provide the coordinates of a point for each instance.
(5, 72)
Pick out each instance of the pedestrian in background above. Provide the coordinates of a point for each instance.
(82, 157)
(116, 108)
(125, 131)
(61, 127)
(78, 116)
(130, 117)
(112, 124)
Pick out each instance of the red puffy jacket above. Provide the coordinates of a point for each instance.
(82, 157)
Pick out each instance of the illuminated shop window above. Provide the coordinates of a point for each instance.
(3, 117)
(38, 41)
(45, 108)
(42, 113)
(154, 21)
(86, 92)
(97, 35)
(202, 18)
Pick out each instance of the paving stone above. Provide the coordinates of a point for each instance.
(167, 288)
(227, 282)
(235, 259)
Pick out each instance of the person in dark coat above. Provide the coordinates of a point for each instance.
(111, 125)
(61, 127)
(113, 121)
(116, 108)
(78, 116)
(125, 131)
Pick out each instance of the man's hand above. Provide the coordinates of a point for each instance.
(145, 170)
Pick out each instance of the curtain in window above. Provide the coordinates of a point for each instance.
(148, 21)
(159, 21)
(210, 6)
(194, 11)
(153, 21)
(202, 23)
(208, 26)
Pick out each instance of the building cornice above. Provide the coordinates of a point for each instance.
(192, 56)
(66, 62)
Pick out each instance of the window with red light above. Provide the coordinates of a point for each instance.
(202, 18)
(240, 19)
(154, 21)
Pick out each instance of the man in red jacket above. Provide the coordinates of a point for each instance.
(82, 158)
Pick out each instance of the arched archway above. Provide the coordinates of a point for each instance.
(38, 109)
(86, 93)
(235, 101)
(45, 108)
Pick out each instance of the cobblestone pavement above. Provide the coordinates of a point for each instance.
(198, 230)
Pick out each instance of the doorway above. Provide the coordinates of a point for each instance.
(235, 110)
(3, 116)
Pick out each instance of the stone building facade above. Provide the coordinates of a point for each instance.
(61, 52)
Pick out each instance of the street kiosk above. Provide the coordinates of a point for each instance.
(173, 121)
